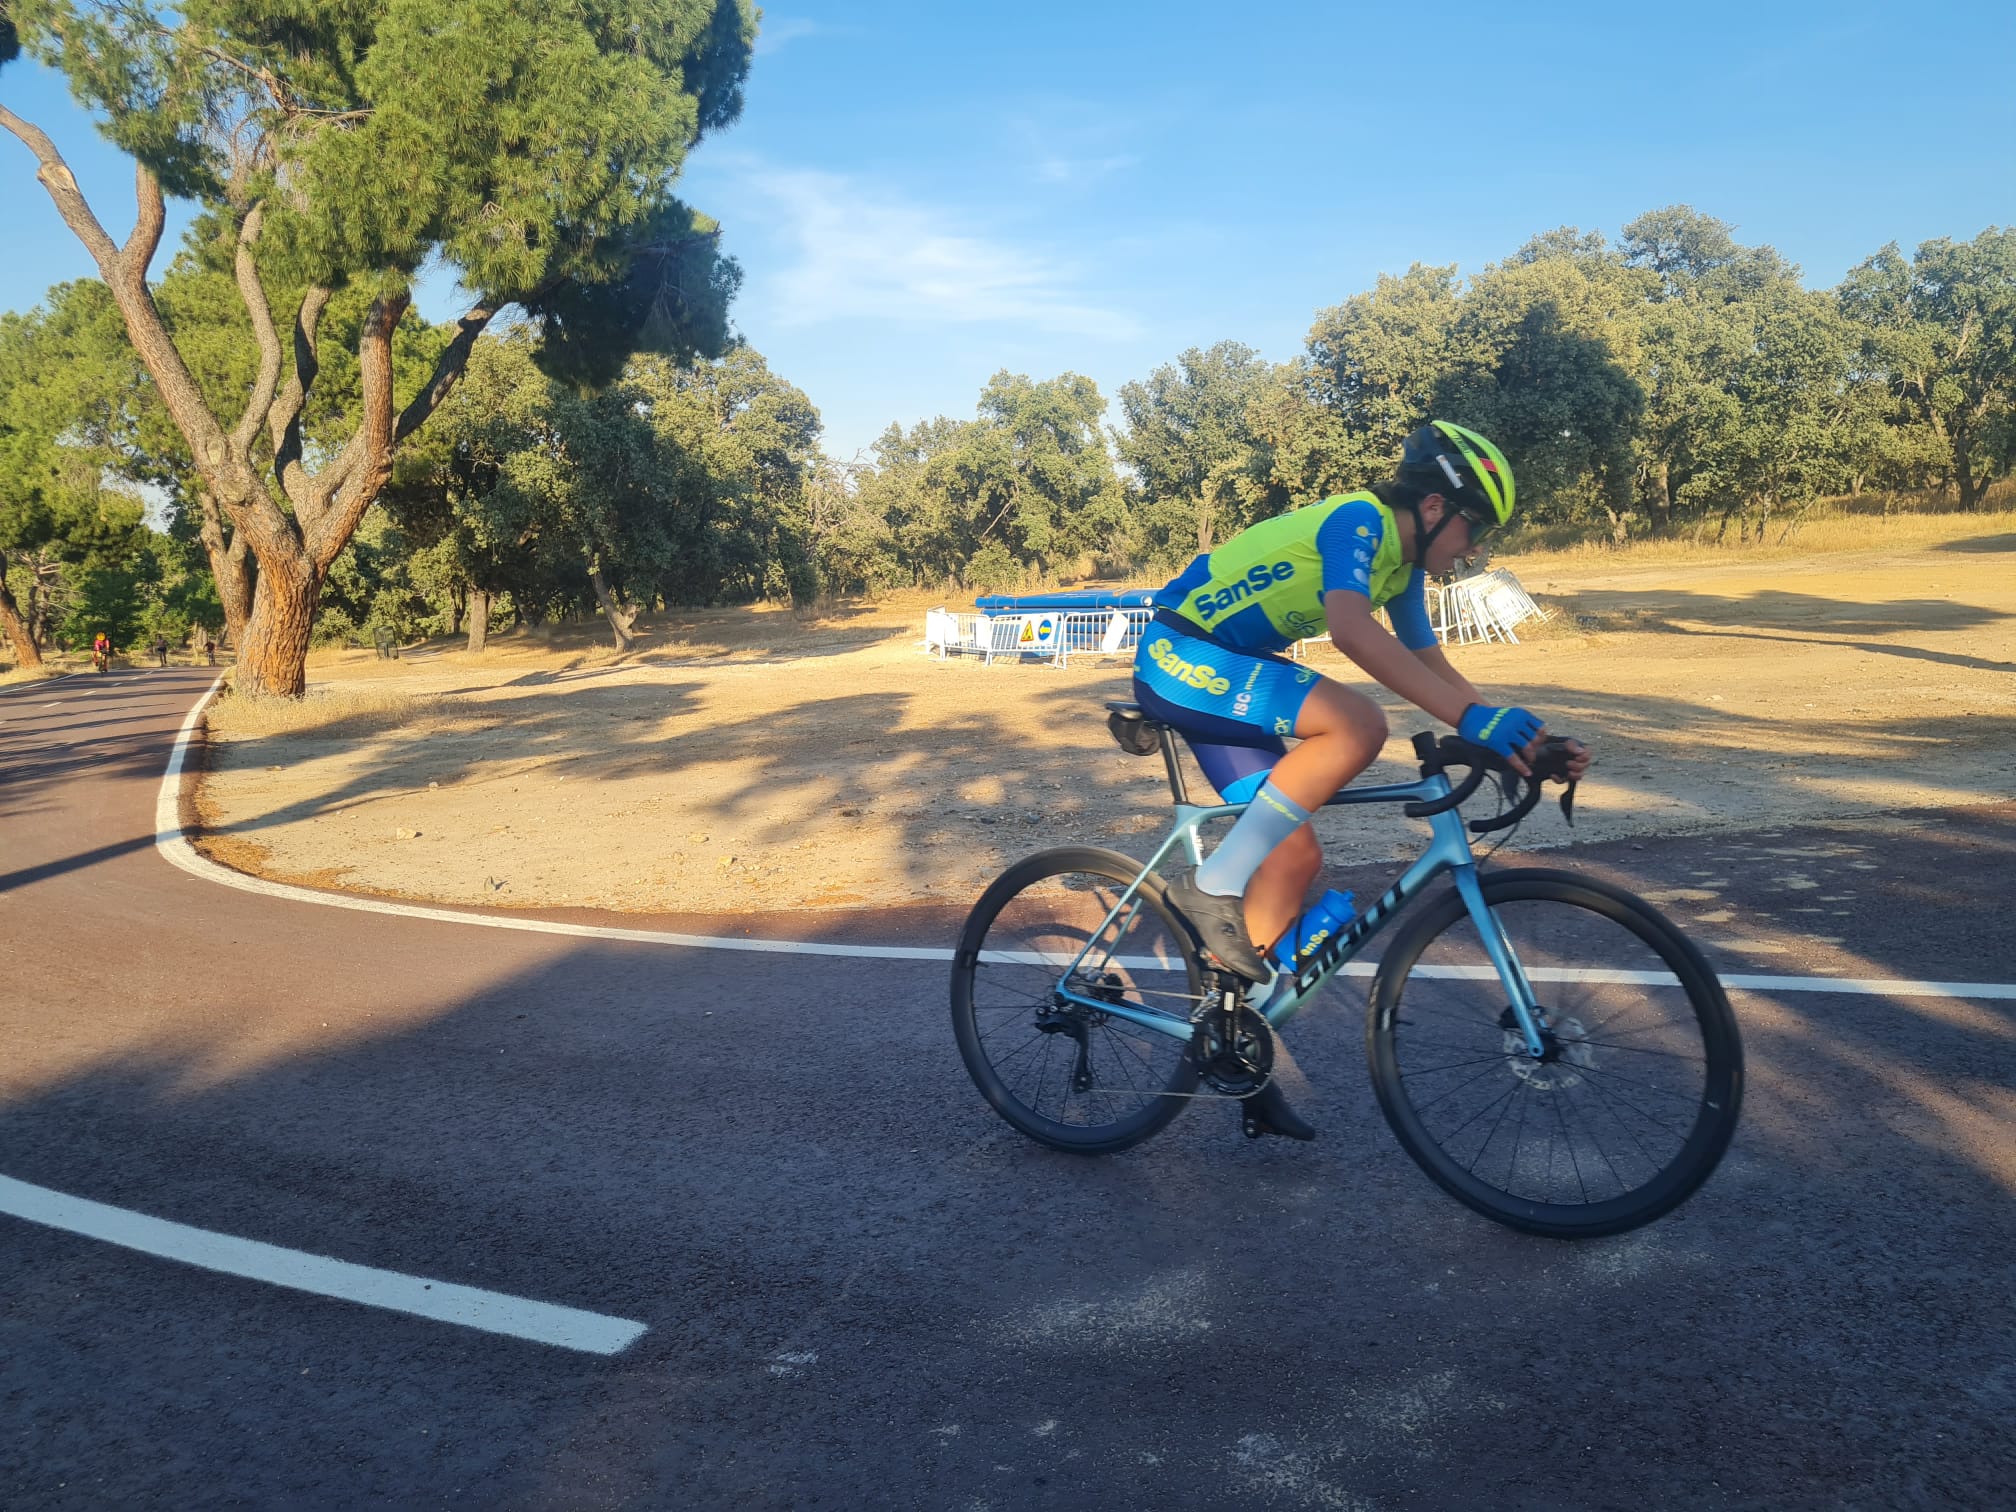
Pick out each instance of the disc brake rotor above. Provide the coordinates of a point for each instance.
(1568, 1055)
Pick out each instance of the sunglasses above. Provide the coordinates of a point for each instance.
(1480, 527)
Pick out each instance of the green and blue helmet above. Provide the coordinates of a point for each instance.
(1464, 468)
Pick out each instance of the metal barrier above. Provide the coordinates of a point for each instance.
(1054, 637)
(1482, 607)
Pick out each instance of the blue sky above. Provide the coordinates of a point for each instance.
(921, 194)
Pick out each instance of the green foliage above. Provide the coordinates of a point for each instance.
(1373, 365)
(1545, 361)
(1675, 379)
(678, 484)
(1201, 470)
(1031, 475)
(1938, 341)
(530, 145)
(73, 537)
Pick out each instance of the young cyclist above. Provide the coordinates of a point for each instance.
(1209, 666)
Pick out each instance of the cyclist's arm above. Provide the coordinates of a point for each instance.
(1359, 636)
(1433, 658)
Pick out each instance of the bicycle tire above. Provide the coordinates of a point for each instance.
(1633, 1082)
(1139, 1077)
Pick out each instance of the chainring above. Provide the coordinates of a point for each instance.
(1234, 1052)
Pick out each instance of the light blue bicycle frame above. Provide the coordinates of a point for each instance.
(1448, 851)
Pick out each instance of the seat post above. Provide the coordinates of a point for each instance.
(1172, 760)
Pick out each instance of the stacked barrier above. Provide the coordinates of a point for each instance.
(1052, 637)
(1482, 607)
(1485, 606)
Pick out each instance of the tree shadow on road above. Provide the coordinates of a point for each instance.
(862, 1287)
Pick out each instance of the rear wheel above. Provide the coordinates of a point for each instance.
(1636, 1097)
(1076, 1076)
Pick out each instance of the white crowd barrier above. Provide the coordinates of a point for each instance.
(1485, 606)
(1054, 637)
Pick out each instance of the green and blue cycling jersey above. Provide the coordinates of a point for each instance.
(1263, 589)
(1210, 664)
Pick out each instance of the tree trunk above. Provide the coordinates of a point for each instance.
(273, 655)
(26, 652)
(39, 575)
(479, 618)
(231, 565)
(1963, 467)
(620, 620)
(458, 596)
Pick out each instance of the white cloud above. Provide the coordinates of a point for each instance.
(1082, 170)
(856, 251)
(778, 32)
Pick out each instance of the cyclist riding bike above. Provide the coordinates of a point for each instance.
(1210, 667)
(101, 651)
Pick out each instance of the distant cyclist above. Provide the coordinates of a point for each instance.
(1209, 666)
(101, 651)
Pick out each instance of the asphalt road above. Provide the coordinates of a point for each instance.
(860, 1289)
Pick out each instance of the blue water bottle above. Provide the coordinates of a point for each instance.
(1331, 913)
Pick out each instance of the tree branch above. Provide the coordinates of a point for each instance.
(125, 274)
(56, 177)
(369, 453)
(253, 293)
(284, 419)
(447, 373)
(448, 369)
(138, 253)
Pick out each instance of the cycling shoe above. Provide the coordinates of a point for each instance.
(1220, 926)
(1267, 1112)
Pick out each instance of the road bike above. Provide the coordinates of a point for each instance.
(1547, 1046)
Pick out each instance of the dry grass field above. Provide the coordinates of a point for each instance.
(757, 759)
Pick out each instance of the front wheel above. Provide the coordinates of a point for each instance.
(1046, 1040)
(1636, 1097)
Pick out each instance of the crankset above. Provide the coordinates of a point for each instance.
(1233, 1047)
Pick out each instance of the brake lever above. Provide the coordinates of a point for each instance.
(1552, 762)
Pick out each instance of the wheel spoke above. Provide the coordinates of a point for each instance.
(1699, 1060)
(1495, 1125)
(1496, 1057)
(1459, 1086)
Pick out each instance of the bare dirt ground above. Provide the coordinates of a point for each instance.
(748, 760)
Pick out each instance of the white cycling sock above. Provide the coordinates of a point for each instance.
(1269, 819)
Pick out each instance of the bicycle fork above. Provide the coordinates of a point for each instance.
(1526, 1011)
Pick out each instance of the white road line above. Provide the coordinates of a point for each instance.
(442, 1301)
(39, 684)
(176, 849)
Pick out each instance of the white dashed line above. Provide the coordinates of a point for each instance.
(442, 1301)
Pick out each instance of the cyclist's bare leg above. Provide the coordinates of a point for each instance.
(1340, 732)
(1275, 895)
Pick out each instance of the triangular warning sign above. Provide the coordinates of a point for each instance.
(1028, 632)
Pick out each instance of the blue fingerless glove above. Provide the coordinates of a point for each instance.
(1506, 731)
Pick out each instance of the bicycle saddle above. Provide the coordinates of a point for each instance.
(1137, 734)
